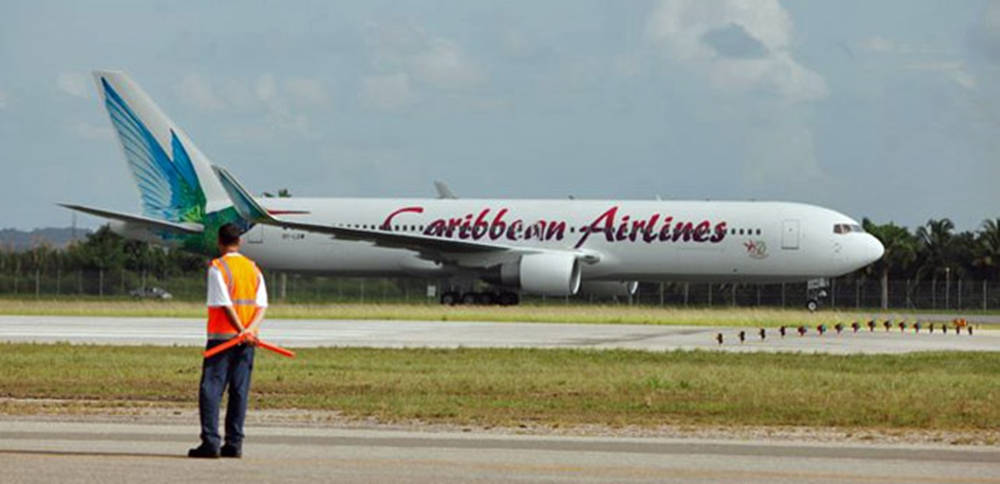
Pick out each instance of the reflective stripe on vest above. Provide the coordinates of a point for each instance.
(242, 279)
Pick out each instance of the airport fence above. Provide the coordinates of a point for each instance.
(843, 293)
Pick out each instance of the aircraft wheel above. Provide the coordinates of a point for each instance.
(470, 298)
(507, 298)
(812, 305)
(449, 298)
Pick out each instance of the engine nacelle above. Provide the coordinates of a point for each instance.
(544, 274)
(609, 289)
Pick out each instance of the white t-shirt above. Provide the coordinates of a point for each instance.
(218, 293)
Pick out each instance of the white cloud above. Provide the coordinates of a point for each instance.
(248, 94)
(93, 132)
(239, 94)
(427, 60)
(266, 87)
(683, 28)
(73, 83)
(953, 70)
(442, 64)
(307, 92)
(387, 92)
(782, 150)
(198, 92)
(878, 44)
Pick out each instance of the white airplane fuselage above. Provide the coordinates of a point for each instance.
(724, 241)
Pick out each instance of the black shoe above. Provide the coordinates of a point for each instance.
(204, 451)
(231, 451)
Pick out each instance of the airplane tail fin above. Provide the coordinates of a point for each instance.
(174, 177)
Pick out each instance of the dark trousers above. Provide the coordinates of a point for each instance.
(231, 367)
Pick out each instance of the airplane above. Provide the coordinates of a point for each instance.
(556, 247)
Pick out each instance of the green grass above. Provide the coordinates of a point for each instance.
(509, 387)
(557, 313)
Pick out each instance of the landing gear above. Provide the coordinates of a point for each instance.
(508, 298)
(815, 291)
(504, 298)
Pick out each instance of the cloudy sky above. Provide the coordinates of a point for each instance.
(883, 109)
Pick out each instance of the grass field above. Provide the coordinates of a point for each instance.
(509, 387)
(752, 317)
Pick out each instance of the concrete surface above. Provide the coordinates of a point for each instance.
(43, 451)
(406, 334)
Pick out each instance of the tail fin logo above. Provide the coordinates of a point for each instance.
(168, 186)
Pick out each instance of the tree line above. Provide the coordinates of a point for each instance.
(102, 251)
(935, 251)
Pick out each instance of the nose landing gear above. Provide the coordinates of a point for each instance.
(816, 291)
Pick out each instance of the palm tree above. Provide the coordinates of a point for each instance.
(900, 252)
(988, 246)
(935, 245)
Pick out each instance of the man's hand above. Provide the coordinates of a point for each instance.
(248, 337)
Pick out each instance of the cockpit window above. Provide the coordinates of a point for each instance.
(847, 228)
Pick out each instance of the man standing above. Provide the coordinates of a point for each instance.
(237, 300)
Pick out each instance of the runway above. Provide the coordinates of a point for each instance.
(40, 451)
(437, 334)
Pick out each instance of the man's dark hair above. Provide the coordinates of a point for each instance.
(229, 234)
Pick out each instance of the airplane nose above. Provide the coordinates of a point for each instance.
(873, 249)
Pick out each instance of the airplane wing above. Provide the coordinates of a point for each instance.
(178, 227)
(432, 248)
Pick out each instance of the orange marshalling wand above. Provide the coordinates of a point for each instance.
(239, 339)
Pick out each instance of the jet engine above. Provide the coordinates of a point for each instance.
(548, 274)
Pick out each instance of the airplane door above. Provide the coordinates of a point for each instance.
(790, 234)
(256, 234)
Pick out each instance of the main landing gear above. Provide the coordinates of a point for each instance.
(503, 298)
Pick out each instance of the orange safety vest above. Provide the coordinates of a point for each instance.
(242, 278)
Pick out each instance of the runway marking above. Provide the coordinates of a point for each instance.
(629, 447)
(85, 453)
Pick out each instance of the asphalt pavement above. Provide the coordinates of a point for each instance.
(46, 451)
(436, 334)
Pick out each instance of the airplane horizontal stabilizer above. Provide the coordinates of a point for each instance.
(178, 227)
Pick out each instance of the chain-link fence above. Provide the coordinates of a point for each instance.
(843, 293)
